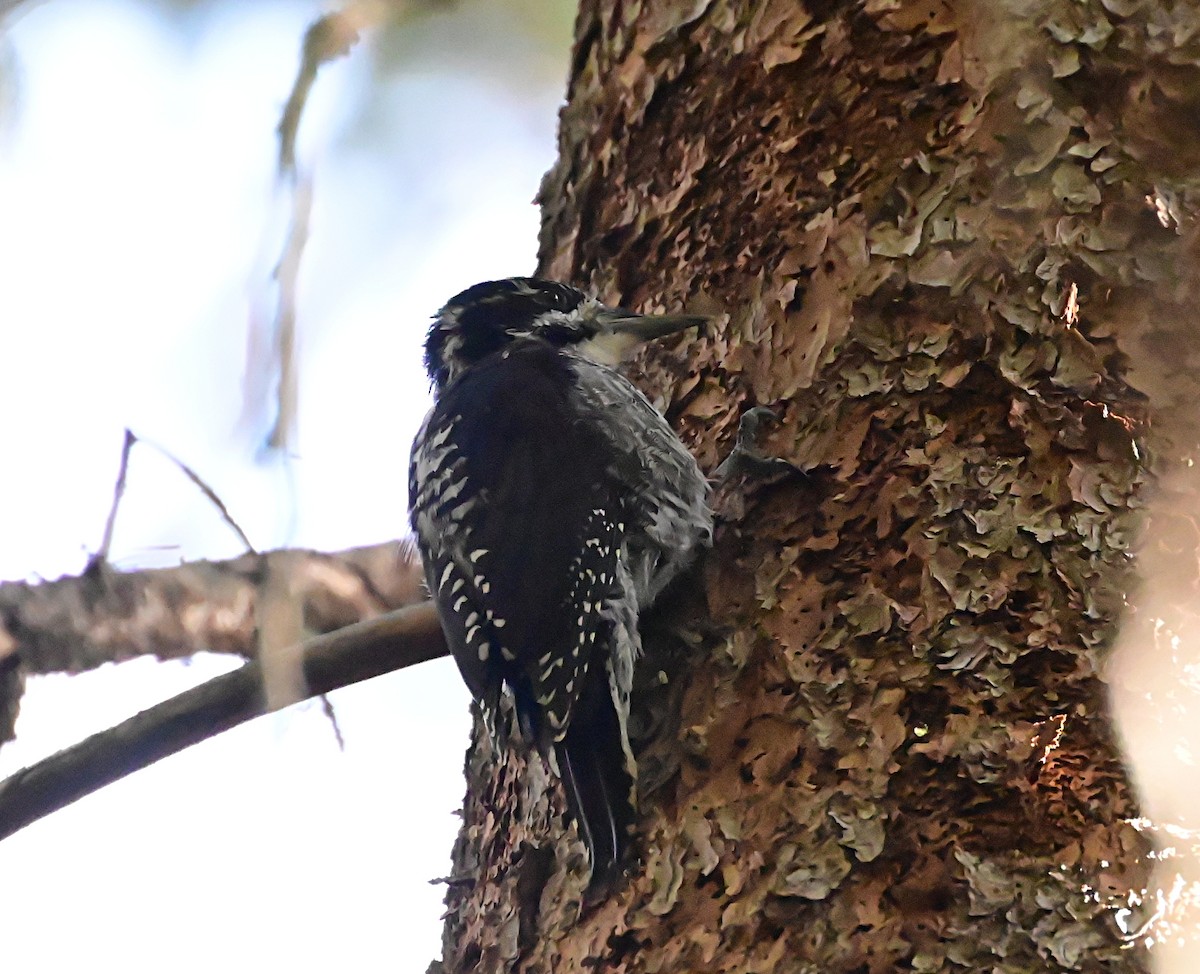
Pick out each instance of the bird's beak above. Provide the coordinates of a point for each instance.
(620, 332)
(644, 328)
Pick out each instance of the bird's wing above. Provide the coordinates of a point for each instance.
(515, 518)
(665, 492)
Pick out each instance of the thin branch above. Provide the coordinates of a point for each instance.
(337, 659)
(328, 38)
(205, 489)
(287, 274)
(101, 556)
(331, 716)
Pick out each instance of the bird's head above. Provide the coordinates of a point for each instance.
(485, 318)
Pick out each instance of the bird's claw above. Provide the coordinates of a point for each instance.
(746, 457)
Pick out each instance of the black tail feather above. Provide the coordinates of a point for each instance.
(596, 778)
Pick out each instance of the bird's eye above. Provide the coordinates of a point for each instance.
(561, 333)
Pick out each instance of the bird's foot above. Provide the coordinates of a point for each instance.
(746, 457)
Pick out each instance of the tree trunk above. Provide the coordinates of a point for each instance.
(949, 239)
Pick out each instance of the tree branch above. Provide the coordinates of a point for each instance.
(337, 659)
(103, 615)
(101, 555)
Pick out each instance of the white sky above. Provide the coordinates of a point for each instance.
(137, 221)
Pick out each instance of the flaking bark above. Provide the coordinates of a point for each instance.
(954, 242)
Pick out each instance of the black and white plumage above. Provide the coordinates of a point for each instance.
(552, 504)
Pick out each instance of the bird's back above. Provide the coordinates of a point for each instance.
(552, 504)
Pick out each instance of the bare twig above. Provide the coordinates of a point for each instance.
(337, 659)
(101, 555)
(206, 490)
(327, 39)
(331, 716)
(287, 273)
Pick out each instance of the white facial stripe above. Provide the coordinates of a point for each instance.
(609, 348)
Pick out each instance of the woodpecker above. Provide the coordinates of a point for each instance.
(552, 504)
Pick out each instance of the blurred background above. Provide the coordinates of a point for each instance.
(141, 218)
